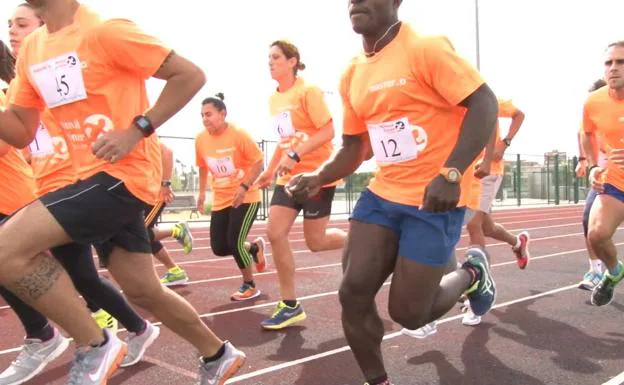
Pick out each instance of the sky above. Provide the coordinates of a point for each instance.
(542, 54)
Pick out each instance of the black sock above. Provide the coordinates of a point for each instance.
(45, 334)
(290, 302)
(218, 355)
(251, 283)
(103, 343)
(379, 380)
(253, 249)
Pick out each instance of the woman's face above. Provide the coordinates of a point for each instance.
(21, 24)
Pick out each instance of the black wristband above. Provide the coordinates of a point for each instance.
(582, 158)
(294, 156)
(243, 185)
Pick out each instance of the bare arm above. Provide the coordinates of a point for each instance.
(184, 79)
(203, 180)
(476, 129)
(353, 151)
(167, 161)
(324, 135)
(18, 125)
(516, 122)
(253, 173)
(590, 147)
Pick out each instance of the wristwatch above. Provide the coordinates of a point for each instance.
(293, 155)
(166, 183)
(452, 175)
(144, 125)
(507, 142)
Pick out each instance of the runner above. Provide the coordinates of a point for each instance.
(305, 130)
(603, 116)
(90, 74)
(180, 231)
(53, 169)
(482, 224)
(472, 189)
(428, 114)
(42, 341)
(596, 271)
(234, 161)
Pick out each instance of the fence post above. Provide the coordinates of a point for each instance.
(518, 180)
(557, 181)
(576, 179)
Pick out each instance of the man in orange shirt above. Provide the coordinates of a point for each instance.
(594, 275)
(90, 74)
(603, 116)
(428, 114)
(482, 224)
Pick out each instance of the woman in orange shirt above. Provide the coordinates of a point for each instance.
(305, 130)
(234, 161)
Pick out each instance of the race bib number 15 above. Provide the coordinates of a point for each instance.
(60, 80)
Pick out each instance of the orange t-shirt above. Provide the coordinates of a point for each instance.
(407, 97)
(228, 158)
(50, 160)
(603, 115)
(91, 76)
(18, 187)
(298, 114)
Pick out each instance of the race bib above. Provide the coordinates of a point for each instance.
(42, 145)
(283, 125)
(60, 80)
(396, 141)
(221, 167)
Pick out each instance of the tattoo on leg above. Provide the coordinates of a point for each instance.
(44, 273)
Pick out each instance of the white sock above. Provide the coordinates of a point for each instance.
(595, 265)
(518, 243)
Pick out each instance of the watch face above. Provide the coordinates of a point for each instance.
(453, 176)
(143, 123)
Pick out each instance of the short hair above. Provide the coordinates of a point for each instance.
(597, 85)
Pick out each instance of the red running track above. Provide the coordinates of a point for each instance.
(543, 330)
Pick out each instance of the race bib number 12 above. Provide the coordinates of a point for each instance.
(395, 142)
(60, 80)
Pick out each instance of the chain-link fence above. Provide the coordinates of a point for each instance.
(529, 180)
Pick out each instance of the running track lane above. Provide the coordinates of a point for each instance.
(511, 333)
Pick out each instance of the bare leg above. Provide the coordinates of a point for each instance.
(136, 275)
(38, 279)
(368, 260)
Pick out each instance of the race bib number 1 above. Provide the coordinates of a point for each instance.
(42, 145)
(60, 80)
(221, 167)
(395, 142)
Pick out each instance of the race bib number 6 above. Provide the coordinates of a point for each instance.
(284, 125)
(60, 80)
(396, 141)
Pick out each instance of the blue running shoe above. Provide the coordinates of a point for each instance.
(482, 294)
(284, 316)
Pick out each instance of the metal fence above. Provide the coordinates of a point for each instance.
(529, 180)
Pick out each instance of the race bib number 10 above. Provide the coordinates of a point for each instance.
(60, 80)
(221, 167)
(395, 142)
